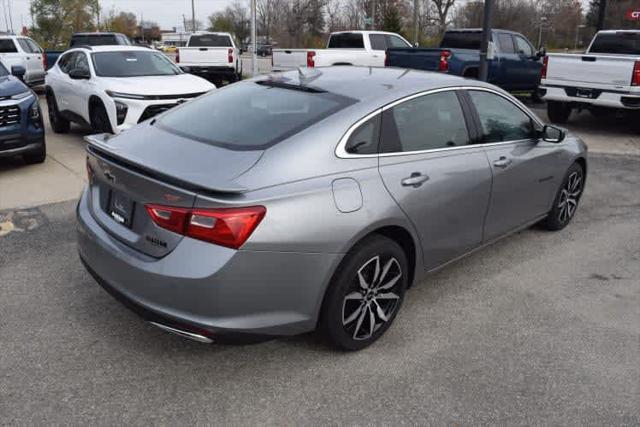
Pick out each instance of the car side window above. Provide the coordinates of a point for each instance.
(34, 46)
(522, 46)
(66, 61)
(81, 62)
(395, 41)
(378, 42)
(7, 46)
(25, 46)
(365, 139)
(428, 122)
(501, 119)
(506, 43)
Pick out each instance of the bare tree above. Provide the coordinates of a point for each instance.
(442, 9)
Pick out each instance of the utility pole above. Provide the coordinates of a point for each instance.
(602, 13)
(484, 44)
(373, 15)
(10, 17)
(254, 56)
(193, 16)
(416, 23)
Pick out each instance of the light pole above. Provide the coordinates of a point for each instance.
(254, 56)
(575, 45)
(416, 25)
(484, 44)
(193, 16)
(543, 20)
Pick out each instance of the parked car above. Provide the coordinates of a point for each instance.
(112, 88)
(213, 56)
(604, 79)
(18, 50)
(264, 50)
(88, 39)
(298, 201)
(21, 127)
(365, 48)
(514, 64)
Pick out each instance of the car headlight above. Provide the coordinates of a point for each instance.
(124, 95)
(121, 111)
(22, 95)
(34, 114)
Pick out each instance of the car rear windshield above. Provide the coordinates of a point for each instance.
(250, 115)
(7, 46)
(461, 40)
(133, 64)
(617, 43)
(210, 40)
(346, 41)
(99, 40)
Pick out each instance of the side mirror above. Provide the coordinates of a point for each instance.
(79, 74)
(551, 133)
(19, 71)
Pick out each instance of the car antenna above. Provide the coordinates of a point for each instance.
(306, 76)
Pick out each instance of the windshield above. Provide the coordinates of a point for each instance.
(346, 41)
(461, 40)
(133, 64)
(250, 115)
(210, 40)
(620, 43)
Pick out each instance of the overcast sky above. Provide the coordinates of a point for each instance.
(167, 13)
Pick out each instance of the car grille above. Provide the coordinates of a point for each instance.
(9, 115)
(154, 110)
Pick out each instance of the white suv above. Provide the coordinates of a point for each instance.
(17, 50)
(112, 88)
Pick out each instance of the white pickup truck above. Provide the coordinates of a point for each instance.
(365, 48)
(605, 78)
(213, 56)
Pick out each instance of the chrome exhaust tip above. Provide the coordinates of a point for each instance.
(185, 334)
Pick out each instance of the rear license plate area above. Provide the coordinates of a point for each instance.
(120, 208)
(584, 93)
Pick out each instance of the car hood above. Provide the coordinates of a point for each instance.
(158, 85)
(10, 85)
(176, 159)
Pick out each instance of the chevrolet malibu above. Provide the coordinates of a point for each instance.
(296, 202)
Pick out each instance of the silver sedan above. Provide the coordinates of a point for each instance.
(304, 201)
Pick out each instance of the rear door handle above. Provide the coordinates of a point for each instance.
(415, 180)
(502, 162)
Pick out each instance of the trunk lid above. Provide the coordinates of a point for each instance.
(601, 70)
(147, 165)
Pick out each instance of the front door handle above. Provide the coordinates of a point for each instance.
(415, 180)
(502, 162)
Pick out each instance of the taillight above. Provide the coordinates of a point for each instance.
(229, 227)
(310, 61)
(386, 58)
(543, 71)
(443, 65)
(635, 77)
(230, 56)
(177, 56)
(44, 60)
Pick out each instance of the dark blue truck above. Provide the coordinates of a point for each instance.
(514, 64)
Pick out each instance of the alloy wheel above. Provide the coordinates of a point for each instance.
(372, 299)
(569, 197)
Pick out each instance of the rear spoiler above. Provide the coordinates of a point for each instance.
(99, 146)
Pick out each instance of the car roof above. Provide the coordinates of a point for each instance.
(375, 84)
(112, 48)
(104, 33)
(363, 32)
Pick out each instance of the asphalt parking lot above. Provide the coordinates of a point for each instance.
(539, 328)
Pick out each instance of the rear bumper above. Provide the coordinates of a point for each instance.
(207, 289)
(206, 70)
(600, 98)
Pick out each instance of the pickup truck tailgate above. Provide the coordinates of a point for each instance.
(285, 59)
(204, 55)
(592, 69)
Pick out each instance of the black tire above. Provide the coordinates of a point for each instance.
(558, 112)
(58, 123)
(565, 204)
(36, 156)
(536, 98)
(99, 118)
(348, 306)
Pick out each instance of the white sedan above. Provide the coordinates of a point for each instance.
(112, 88)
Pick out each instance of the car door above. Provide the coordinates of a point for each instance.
(379, 46)
(81, 88)
(60, 81)
(524, 167)
(530, 64)
(37, 59)
(439, 180)
(508, 68)
(32, 60)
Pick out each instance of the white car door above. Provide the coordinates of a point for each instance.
(378, 43)
(32, 60)
(60, 82)
(80, 89)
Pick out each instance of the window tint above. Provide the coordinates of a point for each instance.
(461, 39)
(66, 61)
(81, 62)
(378, 42)
(34, 46)
(428, 122)
(364, 140)
(123, 40)
(346, 41)
(506, 43)
(622, 43)
(501, 120)
(523, 46)
(251, 115)
(7, 46)
(24, 45)
(210, 40)
(394, 41)
(133, 64)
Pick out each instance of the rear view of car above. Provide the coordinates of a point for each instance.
(213, 56)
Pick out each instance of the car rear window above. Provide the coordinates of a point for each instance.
(250, 115)
(461, 40)
(97, 40)
(620, 43)
(210, 40)
(7, 46)
(346, 41)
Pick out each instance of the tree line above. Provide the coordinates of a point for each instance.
(556, 24)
